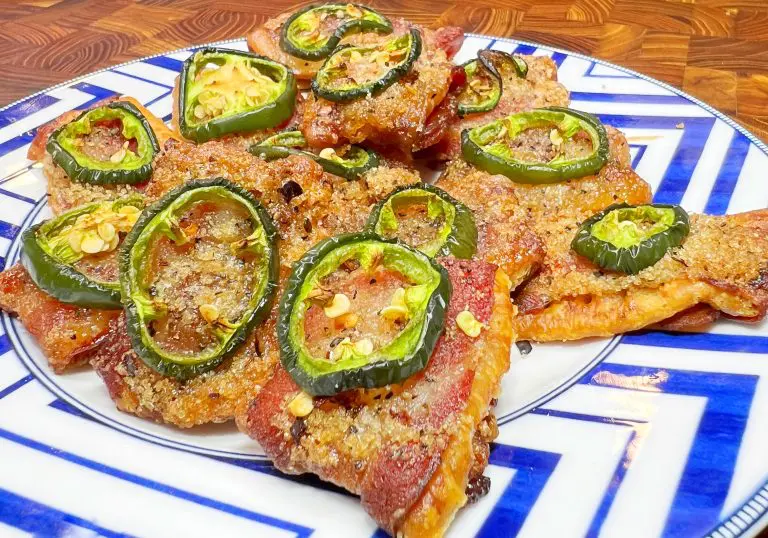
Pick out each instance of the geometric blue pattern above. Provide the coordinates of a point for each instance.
(729, 396)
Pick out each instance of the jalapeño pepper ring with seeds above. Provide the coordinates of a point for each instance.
(360, 311)
(353, 163)
(314, 31)
(198, 272)
(73, 257)
(628, 238)
(111, 144)
(353, 72)
(575, 145)
(428, 219)
(224, 91)
(484, 86)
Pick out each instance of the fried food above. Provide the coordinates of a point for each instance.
(307, 205)
(64, 194)
(408, 450)
(265, 40)
(397, 115)
(67, 334)
(538, 89)
(505, 237)
(722, 263)
(210, 397)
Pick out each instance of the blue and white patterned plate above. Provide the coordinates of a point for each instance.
(638, 436)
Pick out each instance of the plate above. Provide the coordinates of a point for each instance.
(649, 434)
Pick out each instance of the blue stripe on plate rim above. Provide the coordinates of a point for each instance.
(741, 523)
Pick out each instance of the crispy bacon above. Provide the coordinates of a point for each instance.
(445, 116)
(721, 264)
(210, 397)
(407, 450)
(397, 116)
(504, 233)
(67, 334)
(325, 205)
(539, 89)
(265, 40)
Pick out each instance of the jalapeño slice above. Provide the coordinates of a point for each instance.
(544, 145)
(360, 311)
(350, 162)
(73, 257)
(428, 219)
(198, 272)
(352, 72)
(485, 80)
(224, 91)
(628, 238)
(107, 145)
(314, 31)
(503, 63)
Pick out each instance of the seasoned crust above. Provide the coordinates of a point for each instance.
(538, 89)
(64, 194)
(406, 449)
(504, 234)
(394, 117)
(265, 40)
(327, 205)
(722, 263)
(67, 334)
(210, 397)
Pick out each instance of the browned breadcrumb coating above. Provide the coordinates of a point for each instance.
(327, 204)
(504, 235)
(393, 117)
(210, 397)
(538, 89)
(321, 206)
(722, 263)
(64, 194)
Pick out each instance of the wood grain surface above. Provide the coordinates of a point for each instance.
(717, 50)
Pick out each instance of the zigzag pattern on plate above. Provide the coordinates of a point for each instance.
(664, 437)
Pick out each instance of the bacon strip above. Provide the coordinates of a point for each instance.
(67, 334)
(407, 450)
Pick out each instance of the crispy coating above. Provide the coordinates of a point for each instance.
(210, 397)
(394, 117)
(67, 334)
(722, 263)
(327, 205)
(538, 89)
(408, 450)
(265, 40)
(64, 194)
(505, 237)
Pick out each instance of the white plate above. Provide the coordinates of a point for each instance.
(647, 435)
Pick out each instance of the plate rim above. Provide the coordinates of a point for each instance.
(743, 522)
